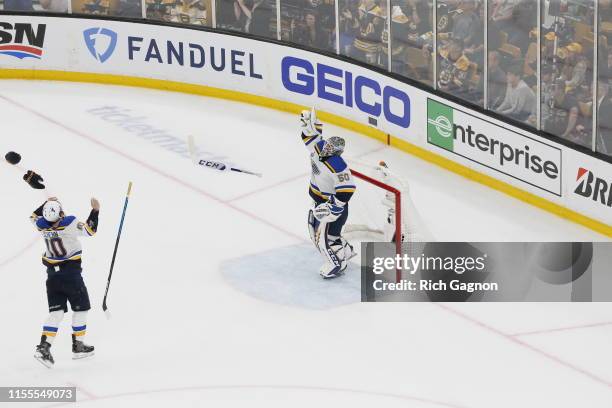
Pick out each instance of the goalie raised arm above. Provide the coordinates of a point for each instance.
(331, 188)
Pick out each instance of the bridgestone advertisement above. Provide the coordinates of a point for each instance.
(281, 73)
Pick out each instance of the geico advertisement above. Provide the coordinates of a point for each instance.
(588, 186)
(522, 158)
(212, 59)
(372, 98)
(302, 77)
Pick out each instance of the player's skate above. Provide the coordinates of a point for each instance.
(43, 353)
(342, 249)
(349, 251)
(80, 349)
(330, 271)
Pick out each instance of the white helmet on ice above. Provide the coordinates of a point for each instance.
(52, 211)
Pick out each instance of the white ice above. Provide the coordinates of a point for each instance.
(216, 299)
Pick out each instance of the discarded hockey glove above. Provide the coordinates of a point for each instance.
(34, 180)
(329, 211)
(13, 157)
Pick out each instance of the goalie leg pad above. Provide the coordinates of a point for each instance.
(335, 265)
(313, 228)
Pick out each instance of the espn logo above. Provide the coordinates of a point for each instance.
(595, 188)
(22, 40)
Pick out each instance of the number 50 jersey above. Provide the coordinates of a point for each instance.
(330, 176)
(62, 240)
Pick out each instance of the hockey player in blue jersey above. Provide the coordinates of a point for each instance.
(331, 188)
(64, 281)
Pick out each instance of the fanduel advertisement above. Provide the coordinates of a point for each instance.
(227, 64)
(102, 42)
(513, 154)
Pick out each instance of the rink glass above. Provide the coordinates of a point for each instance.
(255, 17)
(566, 79)
(563, 70)
(310, 23)
(117, 8)
(411, 34)
(197, 12)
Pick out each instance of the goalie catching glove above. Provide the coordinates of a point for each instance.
(330, 210)
(311, 126)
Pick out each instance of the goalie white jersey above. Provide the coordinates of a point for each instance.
(330, 176)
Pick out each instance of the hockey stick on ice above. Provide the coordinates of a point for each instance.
(212, 164)
(110, 273)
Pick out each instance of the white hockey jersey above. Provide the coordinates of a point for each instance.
(62, 241)
(331, 176)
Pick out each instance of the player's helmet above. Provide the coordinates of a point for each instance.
(332, 146)
(52, 211)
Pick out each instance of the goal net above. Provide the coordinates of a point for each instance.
(382, 210)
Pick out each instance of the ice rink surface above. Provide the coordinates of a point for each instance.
(216, 297)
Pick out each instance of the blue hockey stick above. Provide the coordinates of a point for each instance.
(110, 274)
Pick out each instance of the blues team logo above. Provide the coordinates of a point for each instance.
(100, 42)
(22, 40)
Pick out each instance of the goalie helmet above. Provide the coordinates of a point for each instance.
(52, 211)
(332, 146)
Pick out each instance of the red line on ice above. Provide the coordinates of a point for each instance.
(22, 251)
(290, 179)
(526, 345)
(561, 329)
(258, 387)
(154, 169)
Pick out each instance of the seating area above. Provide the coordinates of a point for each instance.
(560, 97)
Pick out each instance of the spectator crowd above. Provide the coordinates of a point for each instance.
(397, 35)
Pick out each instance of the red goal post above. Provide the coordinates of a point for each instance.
(398, 208)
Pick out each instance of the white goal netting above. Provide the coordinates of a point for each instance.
(382, 207)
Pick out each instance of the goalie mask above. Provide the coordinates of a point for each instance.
(52, 211)
(334, 146)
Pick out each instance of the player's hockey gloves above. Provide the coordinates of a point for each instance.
(13, 158)
(34, 180)
(310, 125)
(329, 211)
(39, 211)
(92, 220)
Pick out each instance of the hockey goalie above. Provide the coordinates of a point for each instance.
(331, 188)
